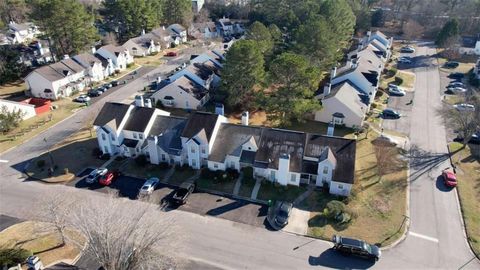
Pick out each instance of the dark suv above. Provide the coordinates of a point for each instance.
(356, 247)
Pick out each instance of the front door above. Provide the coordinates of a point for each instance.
(272, 176)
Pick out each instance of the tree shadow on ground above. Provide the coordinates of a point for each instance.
(422, 161)
(320, 221)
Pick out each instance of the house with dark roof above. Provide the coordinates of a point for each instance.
(123, 128)
(227, 27)
(199, 135)
(56, 80)
(178, 33)
(119, 56)
(207, 140)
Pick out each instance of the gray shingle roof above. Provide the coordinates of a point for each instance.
(168, 130)
(59, 70)
(343, 151)
(139, 118)
(198, 121)
(111, 114)
(230, 138)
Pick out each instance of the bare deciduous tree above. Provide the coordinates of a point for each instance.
(119, 235)
(110, 38)
(56, 210)
(465, 122)
(413, 30)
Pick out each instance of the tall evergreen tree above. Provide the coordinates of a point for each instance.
(450, 30)
(10, 69)
(178, 11)
(243, 70)
(295, 80)
(262, 36)
(66, 23)
(130, 17)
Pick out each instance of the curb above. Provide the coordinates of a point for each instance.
(460, 210)
(407, 214)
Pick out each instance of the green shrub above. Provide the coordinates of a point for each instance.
(141, 160)
(398, 80)
(373, 106)
(334, 209)
(12, 256)
(391, 72)
(159, 104)
(40, 163)
(379, 94)
(129, 65)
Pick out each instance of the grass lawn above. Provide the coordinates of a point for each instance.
(377, 203)
(468, 174)
(246, 187)
(151, 60)
(41, 240)
(269, 191)
(210, 184)
(149, 170)
(408, 80)
(181, 175)
(35, 125)
(74, 153)
(453, 99)
(9, 89)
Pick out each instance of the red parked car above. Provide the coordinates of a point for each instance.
(108, 178)
(449, 178)
(171, 54)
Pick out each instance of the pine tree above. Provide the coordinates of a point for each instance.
(66, 23)
(243, 70)
(178, 11)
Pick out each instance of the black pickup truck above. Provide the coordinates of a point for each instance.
(181, 194)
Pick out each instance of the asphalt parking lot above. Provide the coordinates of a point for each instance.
(403, 105)
(198, 202)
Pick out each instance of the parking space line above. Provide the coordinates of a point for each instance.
(423, 237)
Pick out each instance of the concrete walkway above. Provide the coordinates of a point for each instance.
(238, 184)
(298, 222)
(169, 174)
(304, 195)
(256, 188)
(104, 165)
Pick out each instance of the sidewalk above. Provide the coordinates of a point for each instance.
(255, 190)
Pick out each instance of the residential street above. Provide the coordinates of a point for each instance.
(435, 241)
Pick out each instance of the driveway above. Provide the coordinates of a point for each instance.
(298, 222)
(404, 106)
(7, 221)
(199, 202)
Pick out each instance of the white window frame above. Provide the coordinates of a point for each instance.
(140, 136)
(325, 169)
(104, 138)
(134, 135)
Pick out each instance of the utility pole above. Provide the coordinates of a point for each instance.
(52, 162)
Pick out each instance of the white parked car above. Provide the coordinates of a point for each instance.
(464, 107)
(396, 91)
(83, 98)
(456, 84)
(149, 186)
(457, 89)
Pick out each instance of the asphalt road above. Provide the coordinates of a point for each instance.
(436, 239)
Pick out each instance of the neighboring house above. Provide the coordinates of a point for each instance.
(56, 80)
(123, 128)
(92, 65)
(206, 30)
(21, 32)
(182, 93)
(178, 33)
(190, 88)
(468, 45)
(37, 53)
(476, 69)
(197, 5)
(120, 56)
(227, 28)
(343, 104)
(164, 36)
(380, 37)
(143, 45)
(207, 140)
(477, 47)
(29, 107)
